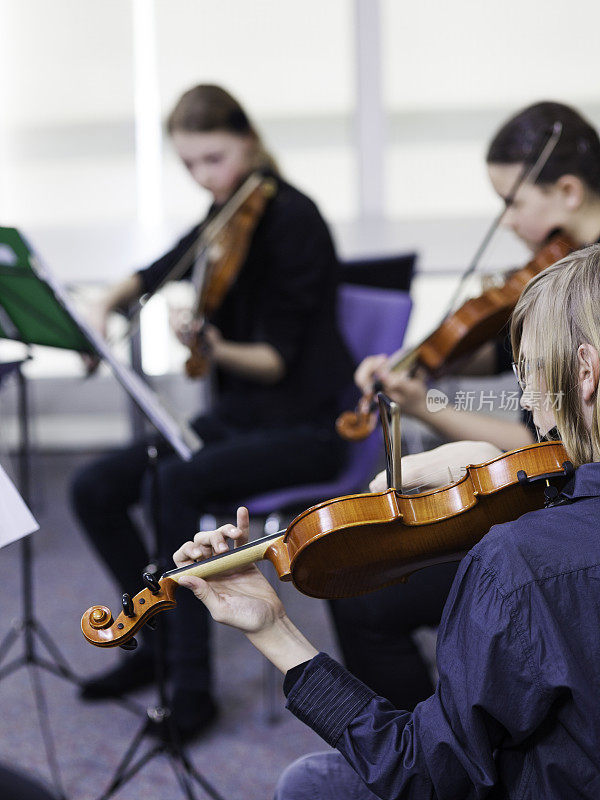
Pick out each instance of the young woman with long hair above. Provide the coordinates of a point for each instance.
(279, 365)
(376, 631)
(515, 712)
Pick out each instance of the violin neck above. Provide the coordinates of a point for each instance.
(218, 222)
(403, 359)
(231, 560)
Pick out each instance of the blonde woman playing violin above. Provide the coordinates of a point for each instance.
(376, 631)
(515, 713)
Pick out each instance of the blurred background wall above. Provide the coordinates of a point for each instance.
(379, 109)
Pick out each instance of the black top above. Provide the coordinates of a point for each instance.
(285, 296)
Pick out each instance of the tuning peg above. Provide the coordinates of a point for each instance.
(151, 582)
(152, 624)
(128, 605)
(131, 644)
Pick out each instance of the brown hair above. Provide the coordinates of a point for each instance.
(561, 307)
(206, 108)
(577, 152)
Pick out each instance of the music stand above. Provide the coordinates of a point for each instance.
(28, 626)
(35, 309)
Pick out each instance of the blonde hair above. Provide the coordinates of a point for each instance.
(561, 308)
(206, 108)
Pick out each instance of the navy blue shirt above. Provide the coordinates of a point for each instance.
(516, 713)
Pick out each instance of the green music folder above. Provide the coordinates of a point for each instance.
(33, 309)
(36, 309)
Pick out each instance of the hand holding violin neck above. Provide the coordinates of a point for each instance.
(199, 361)
(231, 561)
(100, 629)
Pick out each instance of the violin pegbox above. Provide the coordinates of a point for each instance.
(100, 629)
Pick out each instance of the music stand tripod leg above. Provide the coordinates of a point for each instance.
(28, 625)
(44, 722)
(160, 723)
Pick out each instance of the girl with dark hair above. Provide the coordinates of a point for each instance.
(577, 150)
(564, 196)
(376, 631)
(279, 365)
(515, 712)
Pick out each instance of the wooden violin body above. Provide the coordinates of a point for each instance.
(482, 318)
(477, 321)
(356, 544)
(227, 254)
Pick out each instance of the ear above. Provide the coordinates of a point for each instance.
(589, 371)
(572, 191)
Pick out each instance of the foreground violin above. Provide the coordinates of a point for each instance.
(477, 321)
(356, 544)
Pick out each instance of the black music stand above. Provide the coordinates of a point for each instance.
(35, 309)
(28, 626)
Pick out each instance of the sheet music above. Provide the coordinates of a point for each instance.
(178, 433)
(16, 520)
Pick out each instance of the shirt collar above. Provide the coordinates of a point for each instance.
(585, 482)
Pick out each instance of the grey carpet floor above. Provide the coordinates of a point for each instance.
(243, 754)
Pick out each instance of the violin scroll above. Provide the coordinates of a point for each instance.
(99, 627)
(354, 426)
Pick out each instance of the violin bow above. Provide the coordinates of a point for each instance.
(530, 174)
(197, 250)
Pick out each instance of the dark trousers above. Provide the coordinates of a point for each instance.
(374, 634)
(233, 465)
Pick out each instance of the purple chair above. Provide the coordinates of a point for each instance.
(372, 321)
